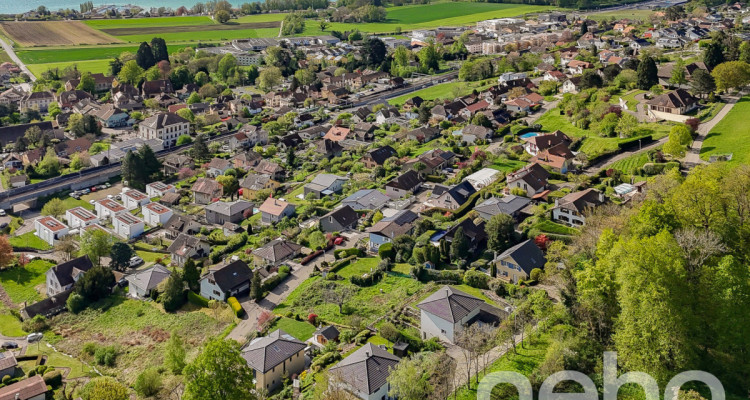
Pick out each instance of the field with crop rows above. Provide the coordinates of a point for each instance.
(54, 33)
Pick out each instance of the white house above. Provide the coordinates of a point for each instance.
(134, 199)
(80, 217)
(571, 208)
(108, 208)
(449, 310)
(159, 189)
(128, 226)
(365, 372)
(143, 282)
(226, 281)
(50, 229)
(62, 277)
(166, 127)
(156, 214)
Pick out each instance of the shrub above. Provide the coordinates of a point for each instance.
(362, 336)
(53, 378)
(90, 348)
(75, 303)
(106, 356)
(36, 324)
(389, 331)
(386, 251)
(148, 382)
(236, 306)
(197, 299)
(274, 281)
(535, 274)
(6, 379)
(477, 279)
(367, 279)
(313, 319)
(324, 360)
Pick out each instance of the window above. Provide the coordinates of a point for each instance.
(216, 292)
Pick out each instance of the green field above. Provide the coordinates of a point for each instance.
(506, 165)
(93, 66)
(205, 36)
(620, 14)
(301, 330)
(10, 325)
(441, 91)
(631, 164)
(148, 22)
(42, 55)
(29, 239)
(728, 136)
(20, 283)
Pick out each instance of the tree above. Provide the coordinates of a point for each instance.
(230, 185)
(159, 49)
(713, 56)
(591, 79)
(6, 252)
(584, 28)
(409, 380)
(429, 58)
(338, 295)
(54, 109)
(174, 354)
(227, 66)
(120, 255)
(323, 25)
(269, 77)
(95, 284)
(647, 74)
(144, 57)
(678, 73)
(673, 146)
(256, 290)
(104, 388)
(316, 240)
(222, 16)
(54, 207)
(219, 372)
(188, 115)
(305, 76)
(66, 247)
(174, 292)
(49, 165)
(75, 303)
(374, 51)
(628, 125)
(192, 274)
(199, 151)
(731, 75)
(87, 83)
(459, 245)
(115, 66)
(683, 134)
(96, 244)
(500, 231)
(148, 383)
(702, 82)
(131, 73)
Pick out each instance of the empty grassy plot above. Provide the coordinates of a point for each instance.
(642, 15)
(149, 22)
(729, 135)
(93, 66)
(21, 282)
(29, 239)
(630, 165)
(54, 33)
(301, 330)
(9, 324)
(441, 91)
(206, 36)
(160, 30)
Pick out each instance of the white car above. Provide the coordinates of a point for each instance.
(33, 337)
(2, 213)
(135, 261)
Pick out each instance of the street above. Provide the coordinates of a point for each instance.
(12, 54)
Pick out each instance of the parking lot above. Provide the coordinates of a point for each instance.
(113, 190)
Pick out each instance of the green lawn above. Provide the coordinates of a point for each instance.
(629, 99)
(620, 14)
(462, 287)
(630, 164)
(301, 330)
(29, 239)
(554, 227)
(148, 22)
(44, 55)
(204, 36)
(506, 165)
(60, 360)
(70, 202)
(729, 135)
(93, 66)
(9, 325)
(360, 267)
(441, 91)
(20, 282)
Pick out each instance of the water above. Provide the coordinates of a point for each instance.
(20, 7)
(529, 135)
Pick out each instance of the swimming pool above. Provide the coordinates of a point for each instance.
(529, 135)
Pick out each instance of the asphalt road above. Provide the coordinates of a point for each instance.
(12, 54)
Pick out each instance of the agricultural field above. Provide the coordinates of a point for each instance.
(728, 135)
(22, 283)
(54, 33)
(636, 14)
(44, 55)
(149, 22)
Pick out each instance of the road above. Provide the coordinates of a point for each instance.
(12, 54)
(413, 87)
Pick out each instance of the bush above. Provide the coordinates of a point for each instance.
(362, 336)
(312, 319)
(197, 299)
(341, 264)
(535, 274)
(6, 379)
(90, 348)
(325, 360)
(75, 303)
(148, 382)
(236, 306)
(367, 279)
(106, 356)
(389, 331)
(53, 378)
(274, 281)
(386, 251)
(477, 279)
(36, 324)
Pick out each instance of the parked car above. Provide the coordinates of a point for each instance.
(2, 213)
(92, 201)
(10, 345)
(107, 185)
(135, 261)
(33, 337)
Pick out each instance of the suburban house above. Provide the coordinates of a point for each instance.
(407, 183)
(510, 205)
(324, 185)
(378, 156)
(17, 181)
(226, 281)
(475, 234)
(387, 229)
(156, 214)
(325, 334)
(366, 199)
(535, 144)
(62, 277)
(339, 220)
(133, 199)
(452, 198)
(672, 106)
(270, 168)
(572, 85)
(206, 191)
(518, 104)
(141, 283)
(532, 179)
(433, 161)
(127, 225)
(173, 163)
(107, 208)
(33, 388)
(365, 372)
(276, 252)
(274, 210)
(251, 184)
(39, 101)
(274, 358)
(187, 246)
(329, 148)
(516, 263)
(112, 117)
(559, 158)
(178, 224)
(166, 127)
(79, 217)
(8, 364)
(159, 189)
(49, 229)
(337, 133)
(447, 311)
(571, 208)
(218, 166)
(221, 212)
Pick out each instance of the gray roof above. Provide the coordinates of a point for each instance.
(345, 216)
(149, 278)
(367, 369)
(65, 271)
(510, 205)
(526, 254)
(227, 208)
(366, 199)
(450, 304)
(264, 353)
(277, 250)
(162, 120)
(324, 181)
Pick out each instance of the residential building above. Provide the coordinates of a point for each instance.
(8, 364)
(407, 183)
(155, 214)
(366, 199)
(387, 229)
(365, 372)
(49, 229)
(452, 198)
(445, 313)
(274, 210)
(221, 212)
(516, 263)
(79, 217)
(572, 85)
(325, 334)
(187, 246)
(274, 358)
(206, 191)
(251, 184)
(166, 127)
(325, 185)
(62, 277)
(532, 179)
(339, 220)
(217, 166)
(337, 133)
(133, 199)
(571, 208)
(159, 189)
(378, 156)
(276, 252)
(39, 101)
(33, 388)
(558, 158)
(142, 283)
(672, 106)
(108, 208)
(173, 163)
(226, 281)
(128, 226)
(178, 224)
(509, 205)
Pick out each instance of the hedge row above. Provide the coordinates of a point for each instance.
(341, 264)
(197, 299)
(274, 281)
(343, 253)
(311, 257)
(236, 306)
(367, 279)
(631, 143)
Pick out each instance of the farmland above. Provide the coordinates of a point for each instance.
(92, 66)
(54, 33)
(728, 135)
(43, 55)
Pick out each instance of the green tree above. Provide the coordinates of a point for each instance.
(647, 74)
(374, 51)
(145, 56)
(87, 83)
(731, 75)
(230, 185)
(628, 125)
(678, 73)
(75, 303)
(54, 207)
(702, 83)
(49, 165)
(199, 151)
(175, 354)
(429, 58)
(159, 49)
(305, 76)
(608, 125)
(95, 284)
(500, 232)
(184, 139)
(54, 109)
(174, 292)
(187, 114)
(323, 25)
(96, 244)
(227, 66)
(683, 134)
(219, 372)
(104, 388)
(120, 255)
(459, 245)
(269, 77)
(131, 73)
(673, 146)
(194, 98)
(222, 16)
(714, 55)
(192, 275)
(256, 288)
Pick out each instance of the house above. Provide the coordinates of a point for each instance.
(79, 217)
(532, 179)
(559, 158)
(378, 156)
(62, 277)
(217, 166)
(178, 224)
(49, 229)
(226, 281)
(554, 76)
(276, 252)
(159, 189)
(535, 144)
(112, 117)
(187, 246)
(251, 184)
(67, 148)
(507, 77)
(314, 132)
(290, 141)
(433, 161)
(473, 232)
(246, 160)
(141, 283)
(173, 163)
(152, 89)
(107, 208)
(387, 115)
(39, 101)
(576, 67)
(221, 212)
(17, 181)
(476, 131)
(8, 364)
(33, 388)
(155, 214)
(365, 372)
(510, 205)
(329, 148)
(446, 312)
(672, 106)
(274, 210)
(364, 131)
(366, 199)
(407, 183)
(572, 85)
(483, 178)
(325, 334)
(516, 263)
(274, 358)
(271, 169)
(166, 127)
(518, 105)
(68, 98)
(127, 225)
(325, 185)
(423, 134)
(339, 220)
(133, 199)
(571, 208)
(453, 198)
(387, 229)
(337, 133)
(206, 190)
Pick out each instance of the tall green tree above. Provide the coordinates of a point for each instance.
(219, 372)
(159, 49)
(731, 75)
(87, 83)
(95, 284)
(500, 231)
(647, 73)
(144, 57)
(175, 354)
(459, 245)
(120, 256)
(678, 73)
(702, 83)
(191, 274)
(199, 151)
(714, 55)
(96, 244)
(131, 73)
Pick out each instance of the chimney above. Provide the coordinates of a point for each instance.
(367, 354)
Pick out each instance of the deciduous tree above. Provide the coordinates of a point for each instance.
(219, 372)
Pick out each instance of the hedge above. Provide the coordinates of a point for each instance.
(367, 279)
(631, 143)
(274, 281)
(477, 279)
(454, 277)
(53, 378)
(658, 168)
(386, 251)
(197, 299)
(434, 178)
(460, 211)
(311, 257)
(348, 252)
(236, 306)
(341, 264)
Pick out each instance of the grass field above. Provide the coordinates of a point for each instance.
(441, 91)
(149, 22)
(620, 14)
(301, 330)
(728, 136)
(29, 239)
(506, 165)
(630, 164)
(43, 55)
(205, 36)
(54, 33)
(9, 325)
(93, 66)
(59, 360)
(4, 57)
(20, 283)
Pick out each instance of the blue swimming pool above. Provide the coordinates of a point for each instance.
(529, 135)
